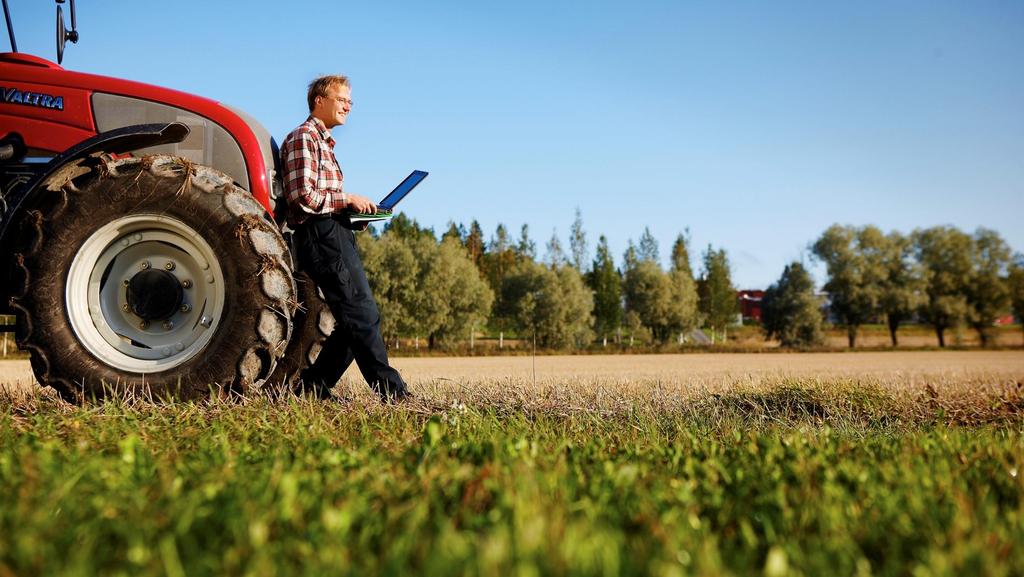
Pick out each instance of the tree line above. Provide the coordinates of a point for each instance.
(941, 276)
(442, 291)
(445, 290)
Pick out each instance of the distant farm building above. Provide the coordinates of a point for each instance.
(750, 304)
(1005, 320)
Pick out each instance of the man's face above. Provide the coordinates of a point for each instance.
(334, 108)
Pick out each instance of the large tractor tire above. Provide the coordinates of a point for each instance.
(312, 323)
(151, 276)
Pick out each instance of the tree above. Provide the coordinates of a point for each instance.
(606, 283)
(648, 249)
(459, 291)
(475, 243)
(455, 231)
(392, 269)
(988, 294)
(648, 293)
(1015, 280)
(853, 259)
(423, 288)
(790, 312)
(664, 303)
(526, 249)
(401, 226)
(500, 241)
(683, 315)
(681, 254)
(428, 304)
(497, 262)
(718, 302)
(578, 242)
(499, 258)
(629, 258)
(555, 256)
(635, 328)
(902, 290)
(577, 308)
(551, 304)
(944, 254)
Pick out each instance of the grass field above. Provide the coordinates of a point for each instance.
(801, 464)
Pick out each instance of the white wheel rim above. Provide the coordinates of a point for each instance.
(97, 300)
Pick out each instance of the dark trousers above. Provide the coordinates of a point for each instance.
(327, 252)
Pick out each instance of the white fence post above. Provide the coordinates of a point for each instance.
(5, 320)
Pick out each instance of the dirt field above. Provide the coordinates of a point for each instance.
(697, 371)
(686, 368)
(16, 374)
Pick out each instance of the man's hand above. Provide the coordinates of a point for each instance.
(361, 204)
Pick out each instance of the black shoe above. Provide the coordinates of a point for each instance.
(312, 390)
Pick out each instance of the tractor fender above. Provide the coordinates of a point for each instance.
(114, 141)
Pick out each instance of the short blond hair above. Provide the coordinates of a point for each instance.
(319, 86)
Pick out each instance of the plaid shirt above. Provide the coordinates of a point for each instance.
(312, 177)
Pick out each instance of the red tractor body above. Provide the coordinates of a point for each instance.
(27, 81)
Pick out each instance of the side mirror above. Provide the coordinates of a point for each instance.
(63, 34)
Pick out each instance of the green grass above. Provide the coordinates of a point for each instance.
(803, 478)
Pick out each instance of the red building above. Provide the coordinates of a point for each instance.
(750, 304)
(1004, 320)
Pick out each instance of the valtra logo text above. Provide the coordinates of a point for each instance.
(15, 96)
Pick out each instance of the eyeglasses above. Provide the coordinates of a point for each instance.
(341, 100)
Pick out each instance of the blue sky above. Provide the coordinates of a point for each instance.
(755, 125)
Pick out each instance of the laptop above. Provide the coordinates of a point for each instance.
(385, 206)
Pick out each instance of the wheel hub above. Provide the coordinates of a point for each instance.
(154, 294)
(137, 317)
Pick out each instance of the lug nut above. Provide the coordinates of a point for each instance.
(144, 325)
(124, 307)
(145, 265)
(168, 325)
(186, 283)
(186, 308)
(126, 281)
(169, 266)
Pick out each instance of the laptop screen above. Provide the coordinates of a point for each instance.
(402, 189)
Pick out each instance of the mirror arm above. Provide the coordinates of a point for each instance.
(10, 27)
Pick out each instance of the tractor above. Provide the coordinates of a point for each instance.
(138, 245)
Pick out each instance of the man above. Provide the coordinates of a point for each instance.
(326, 249)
